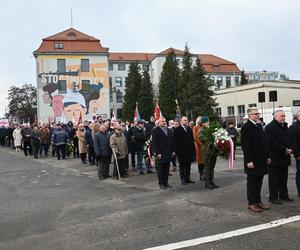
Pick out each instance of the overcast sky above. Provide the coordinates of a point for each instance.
(256, 34)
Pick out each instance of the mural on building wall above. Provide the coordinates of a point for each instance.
(65, 96)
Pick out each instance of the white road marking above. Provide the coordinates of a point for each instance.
(217, 237)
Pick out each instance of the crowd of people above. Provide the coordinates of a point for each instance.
(145, 146)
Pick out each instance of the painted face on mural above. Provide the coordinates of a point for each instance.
(97, 103)
(57, 105)
(46, 97)
(73, 111)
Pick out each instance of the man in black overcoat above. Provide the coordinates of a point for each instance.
(280, 151)
(164, 149)
(185, 149)
(256, 158)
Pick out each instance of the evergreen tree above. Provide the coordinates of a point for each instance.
(169, 90)
(146, 97)
(243, 78)
(133, 83)
(202, 93)
(186, 78)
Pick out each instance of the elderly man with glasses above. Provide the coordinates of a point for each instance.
(256, 158)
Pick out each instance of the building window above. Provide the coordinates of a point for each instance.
(111, 67)
(145, 67)
(62, 87)
(219, 112)
(119, 96)
(85, 85)
(58, 45)
(121, 66)
(241, 110)
(219, 82)
(110, 82)
(61, 65)
(252, 105)
(230, 110)
(237, 80)
(85, 65)
(118, 81)
(228, 81)
(110, 95)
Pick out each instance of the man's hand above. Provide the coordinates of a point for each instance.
(250, 165)
(269, 161)
(173, 154)
(159, 156)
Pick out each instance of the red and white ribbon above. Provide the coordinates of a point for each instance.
(231, 154)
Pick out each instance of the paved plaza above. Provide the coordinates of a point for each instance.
(50, 204)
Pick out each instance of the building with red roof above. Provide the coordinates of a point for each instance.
(76, 75)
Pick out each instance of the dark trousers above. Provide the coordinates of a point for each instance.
(27, 147)
(132, 154)
(45, 148)
(83, 157)
(103, 169)
(174, 161)
(163, 173)
(122, 167)
(75, 149)
(298, 176)
(278, 177)
(200, 168)
(92, 154)
(60, 151)
(209, 167)
(126, 163)
(254, 184)
(184, 170)
(35, 148)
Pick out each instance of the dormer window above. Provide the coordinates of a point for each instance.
(58, 45)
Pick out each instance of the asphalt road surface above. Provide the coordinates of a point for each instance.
(50, 204)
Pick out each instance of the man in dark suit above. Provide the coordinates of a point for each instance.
(163, 148)
(185, 149)
(280, 151)
(256, 158)
(294, 133)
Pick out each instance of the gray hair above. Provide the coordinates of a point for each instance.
(250, 110)
(198, 120)
(278, 111)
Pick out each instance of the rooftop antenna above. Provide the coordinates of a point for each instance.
(71, 17)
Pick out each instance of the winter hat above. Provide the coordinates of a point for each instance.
(204, 119)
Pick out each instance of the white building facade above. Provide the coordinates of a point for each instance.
(233, 102)
(77, 77)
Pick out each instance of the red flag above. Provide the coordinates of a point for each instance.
(157, 112)
(136, 116)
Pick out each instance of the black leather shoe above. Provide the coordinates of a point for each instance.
(190, 181)
(215, 185)
(209, 186)
(287, 199)
(169, 186)
(183, 182)
(163, 186)
(276, 202)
